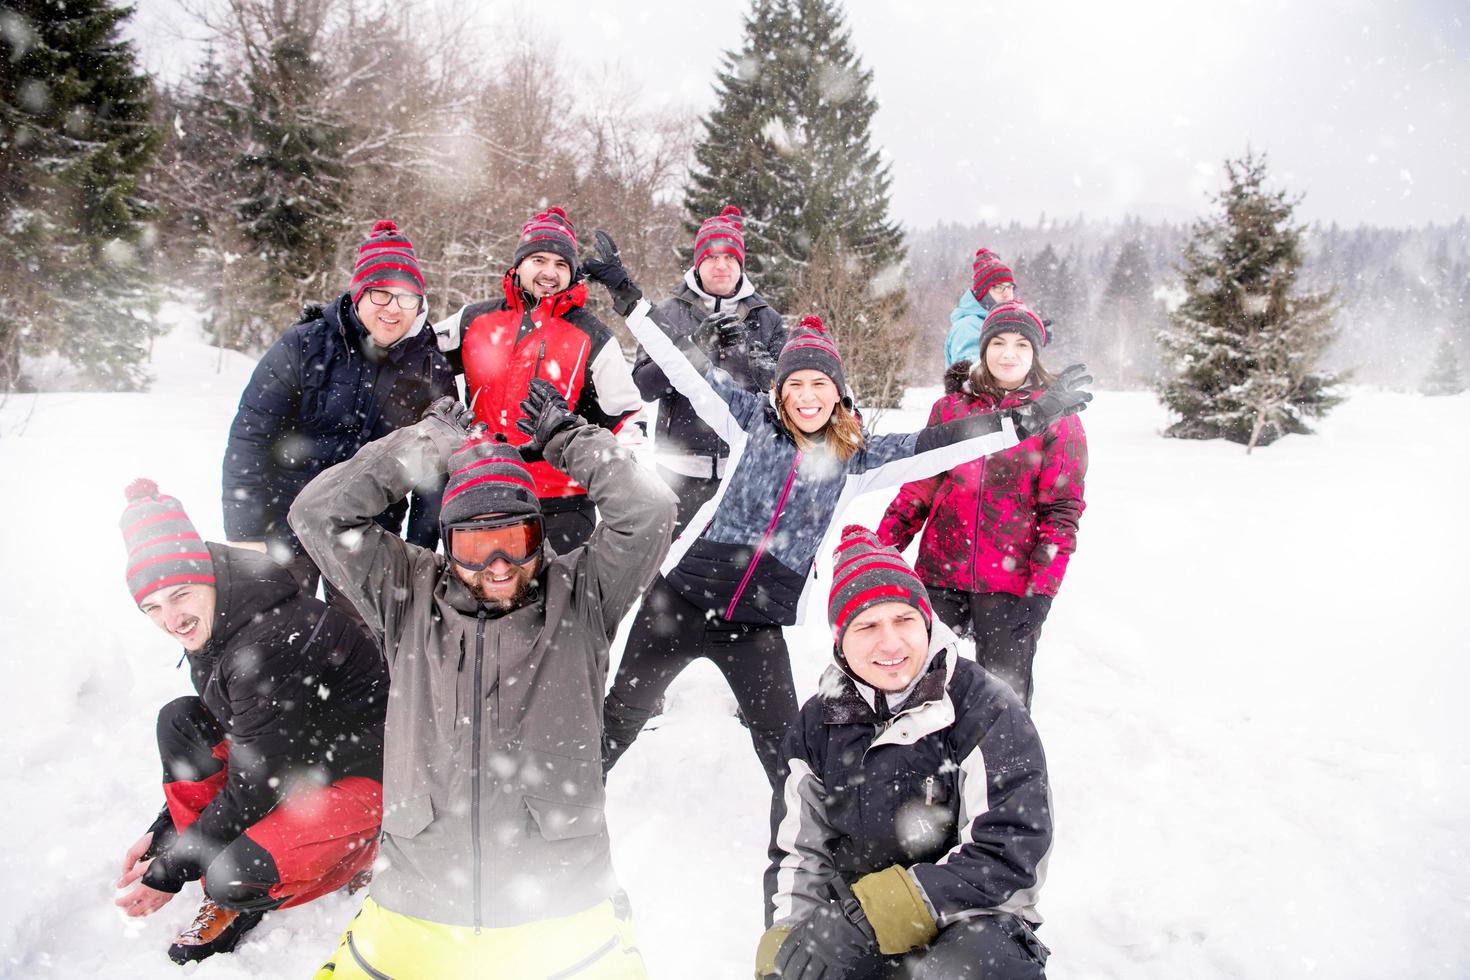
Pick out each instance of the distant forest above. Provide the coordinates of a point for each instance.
(1403, 295)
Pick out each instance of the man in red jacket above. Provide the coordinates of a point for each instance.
(541, 328)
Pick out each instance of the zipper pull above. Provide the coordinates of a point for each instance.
(929, 794)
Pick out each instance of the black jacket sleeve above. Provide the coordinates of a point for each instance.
(268, 410)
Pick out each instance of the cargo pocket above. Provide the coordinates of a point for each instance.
(559, 820)
(408, 818)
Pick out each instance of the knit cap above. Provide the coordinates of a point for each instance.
(164, 549)
(811, 348)
(989, 271)
(1014, 317)
(864, 574)
(549, 231)
(487, 477)
(385, 259)
(724, 230)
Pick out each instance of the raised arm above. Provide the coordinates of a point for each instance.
(333, 515)
(635, 509)
(718, 400)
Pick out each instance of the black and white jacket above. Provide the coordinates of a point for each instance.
(951, 785)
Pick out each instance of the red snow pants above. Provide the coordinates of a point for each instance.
(312, 842)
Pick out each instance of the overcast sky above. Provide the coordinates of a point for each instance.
(1008, 111)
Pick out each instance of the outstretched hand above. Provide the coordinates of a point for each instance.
(1062, 398)
(544, 413)
(608, 269)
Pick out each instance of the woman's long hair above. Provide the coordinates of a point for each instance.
(842, 435)
(982, 382)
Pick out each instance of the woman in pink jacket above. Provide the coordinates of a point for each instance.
(998, 531)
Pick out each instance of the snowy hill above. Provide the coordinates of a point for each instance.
(1250, 691)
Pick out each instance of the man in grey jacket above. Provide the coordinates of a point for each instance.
(495, 848)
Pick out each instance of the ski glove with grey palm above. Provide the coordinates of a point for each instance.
(544, 413)
(1063, 397)
(608, 270)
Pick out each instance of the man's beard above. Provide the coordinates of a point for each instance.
(526, 587)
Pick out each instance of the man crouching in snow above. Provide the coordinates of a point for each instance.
(272, 774)
(910, 835)
(495, 854)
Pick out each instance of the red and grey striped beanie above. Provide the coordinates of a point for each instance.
(385, 259)
(989, 271)
(164, 549)
(864, 574)
(811, 348)
(1014, 317)
(487, 477)
(724, 230)
(549, 231)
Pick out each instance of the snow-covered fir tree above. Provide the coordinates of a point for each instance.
(1244, 345)
(1125, 355)
(75, 134)
(293, 182)
(1445, 377)
(788, 143)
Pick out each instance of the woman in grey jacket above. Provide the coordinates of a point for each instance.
(743, 566)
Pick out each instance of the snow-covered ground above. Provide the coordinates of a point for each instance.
(1250, 690)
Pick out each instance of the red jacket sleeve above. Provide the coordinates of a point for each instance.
(906, 515)
(1059, 503)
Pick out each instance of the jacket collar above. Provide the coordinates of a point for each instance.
(555, 305)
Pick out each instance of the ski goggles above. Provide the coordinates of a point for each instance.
(477, 544)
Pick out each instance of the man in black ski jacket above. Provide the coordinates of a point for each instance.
(348, 373)
(690, 456)
(272, 773)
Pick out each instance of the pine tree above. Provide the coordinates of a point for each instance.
(75, 134)
(1445, 377)
(788, 143)
(294, 183)
(1244, 344)
(1127, 320)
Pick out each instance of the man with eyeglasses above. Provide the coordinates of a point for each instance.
(496, 859)
(348, 373)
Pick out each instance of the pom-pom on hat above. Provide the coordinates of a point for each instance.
(864, 574)
(811, 348)
(385, 259)
(164, 549)
(487, 477)
(988, 271)
(549, 231)
(1014, 317)
(724, 231)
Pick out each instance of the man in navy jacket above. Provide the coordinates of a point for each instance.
(347, 374)
(910, 834)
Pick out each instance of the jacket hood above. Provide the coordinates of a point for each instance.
(968, 306)
(247, 583)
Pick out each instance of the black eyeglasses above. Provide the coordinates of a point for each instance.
(382, 297)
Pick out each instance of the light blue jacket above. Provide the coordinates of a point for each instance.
(963, 341)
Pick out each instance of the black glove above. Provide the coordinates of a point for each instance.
(723, 332)
(1029, 614)
(453, 413)
(1062, 398)
(833, 943)
(608, 270)
(544, 413)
